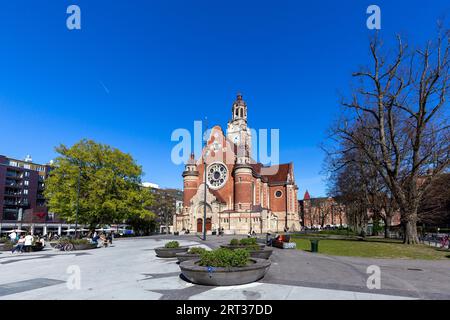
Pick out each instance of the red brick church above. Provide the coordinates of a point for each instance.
(241, 195)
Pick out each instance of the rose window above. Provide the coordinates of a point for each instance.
(217, 175)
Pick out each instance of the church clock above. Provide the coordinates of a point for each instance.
(217, 174)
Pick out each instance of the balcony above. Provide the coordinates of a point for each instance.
(12, 184)
(11, 203)
(12, 194)
(15, 177)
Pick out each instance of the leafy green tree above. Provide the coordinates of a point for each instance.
(101, 182)
(163, 207)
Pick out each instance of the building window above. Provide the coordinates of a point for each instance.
(278, 193)
(26, 183)
(25, 191)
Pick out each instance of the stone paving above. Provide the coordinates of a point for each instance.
(130, 270)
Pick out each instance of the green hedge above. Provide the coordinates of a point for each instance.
(8, 245)
(172, 245)
(74, 241)
(224, 258)
(196, 250)
(248, 242)
(234, 242)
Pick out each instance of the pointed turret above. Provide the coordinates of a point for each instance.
(190, 177)
(306, 196)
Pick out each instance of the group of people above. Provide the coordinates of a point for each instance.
(104, 239)
(220, 231)
(23, 243)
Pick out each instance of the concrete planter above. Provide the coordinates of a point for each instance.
(185, 256)
(224, 276)
(169, 252)
(36, 248)
(5, 247)
(229, 246)
(261, 254)
(85, 246)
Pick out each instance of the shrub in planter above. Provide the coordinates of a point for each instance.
(79, 241)
(6, 246)
(248, 241)
(224, 267)
(234, 242)
(77, 244)
(170, 250)
(225, 258)
(192, 253)
(172, 245)
(196, 250)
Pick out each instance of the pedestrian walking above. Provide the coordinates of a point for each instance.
(28, 242)
(20, 245)
(13, 237)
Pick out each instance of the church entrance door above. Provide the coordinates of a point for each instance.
(200, 224)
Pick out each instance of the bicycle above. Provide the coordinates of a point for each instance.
(64, 246)
(445, 242)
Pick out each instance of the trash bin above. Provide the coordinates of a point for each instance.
(314, 245)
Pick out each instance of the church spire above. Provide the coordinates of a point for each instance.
(239, 109)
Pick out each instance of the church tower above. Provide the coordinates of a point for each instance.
(190, 177)
(237, 130)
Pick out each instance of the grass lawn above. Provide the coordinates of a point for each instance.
(376, 248)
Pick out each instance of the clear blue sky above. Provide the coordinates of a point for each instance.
(140, 69)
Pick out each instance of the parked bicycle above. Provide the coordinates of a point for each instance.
(445, 242)
(64, 246)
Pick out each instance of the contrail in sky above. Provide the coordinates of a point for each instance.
(104, 87)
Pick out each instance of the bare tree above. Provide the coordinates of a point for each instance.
(435, 205)
(398, 122)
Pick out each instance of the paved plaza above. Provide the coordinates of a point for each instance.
(130, 270)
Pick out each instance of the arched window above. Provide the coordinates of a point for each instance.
(237, 112)
(242, 112)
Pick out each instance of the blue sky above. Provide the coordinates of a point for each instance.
(137, 70)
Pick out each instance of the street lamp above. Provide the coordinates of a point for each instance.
(251, 206)
(78, 202)
(204, 199)
(205, 154)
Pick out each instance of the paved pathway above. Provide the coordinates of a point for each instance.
(130, 270)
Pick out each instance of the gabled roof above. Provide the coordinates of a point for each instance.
(281, 175)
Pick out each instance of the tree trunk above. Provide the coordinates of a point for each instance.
(386, 228)
(410, 228)
(387, 224)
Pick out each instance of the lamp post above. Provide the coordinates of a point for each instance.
(78, 202)
(204, 197)
(205, 154)
(251, 206)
